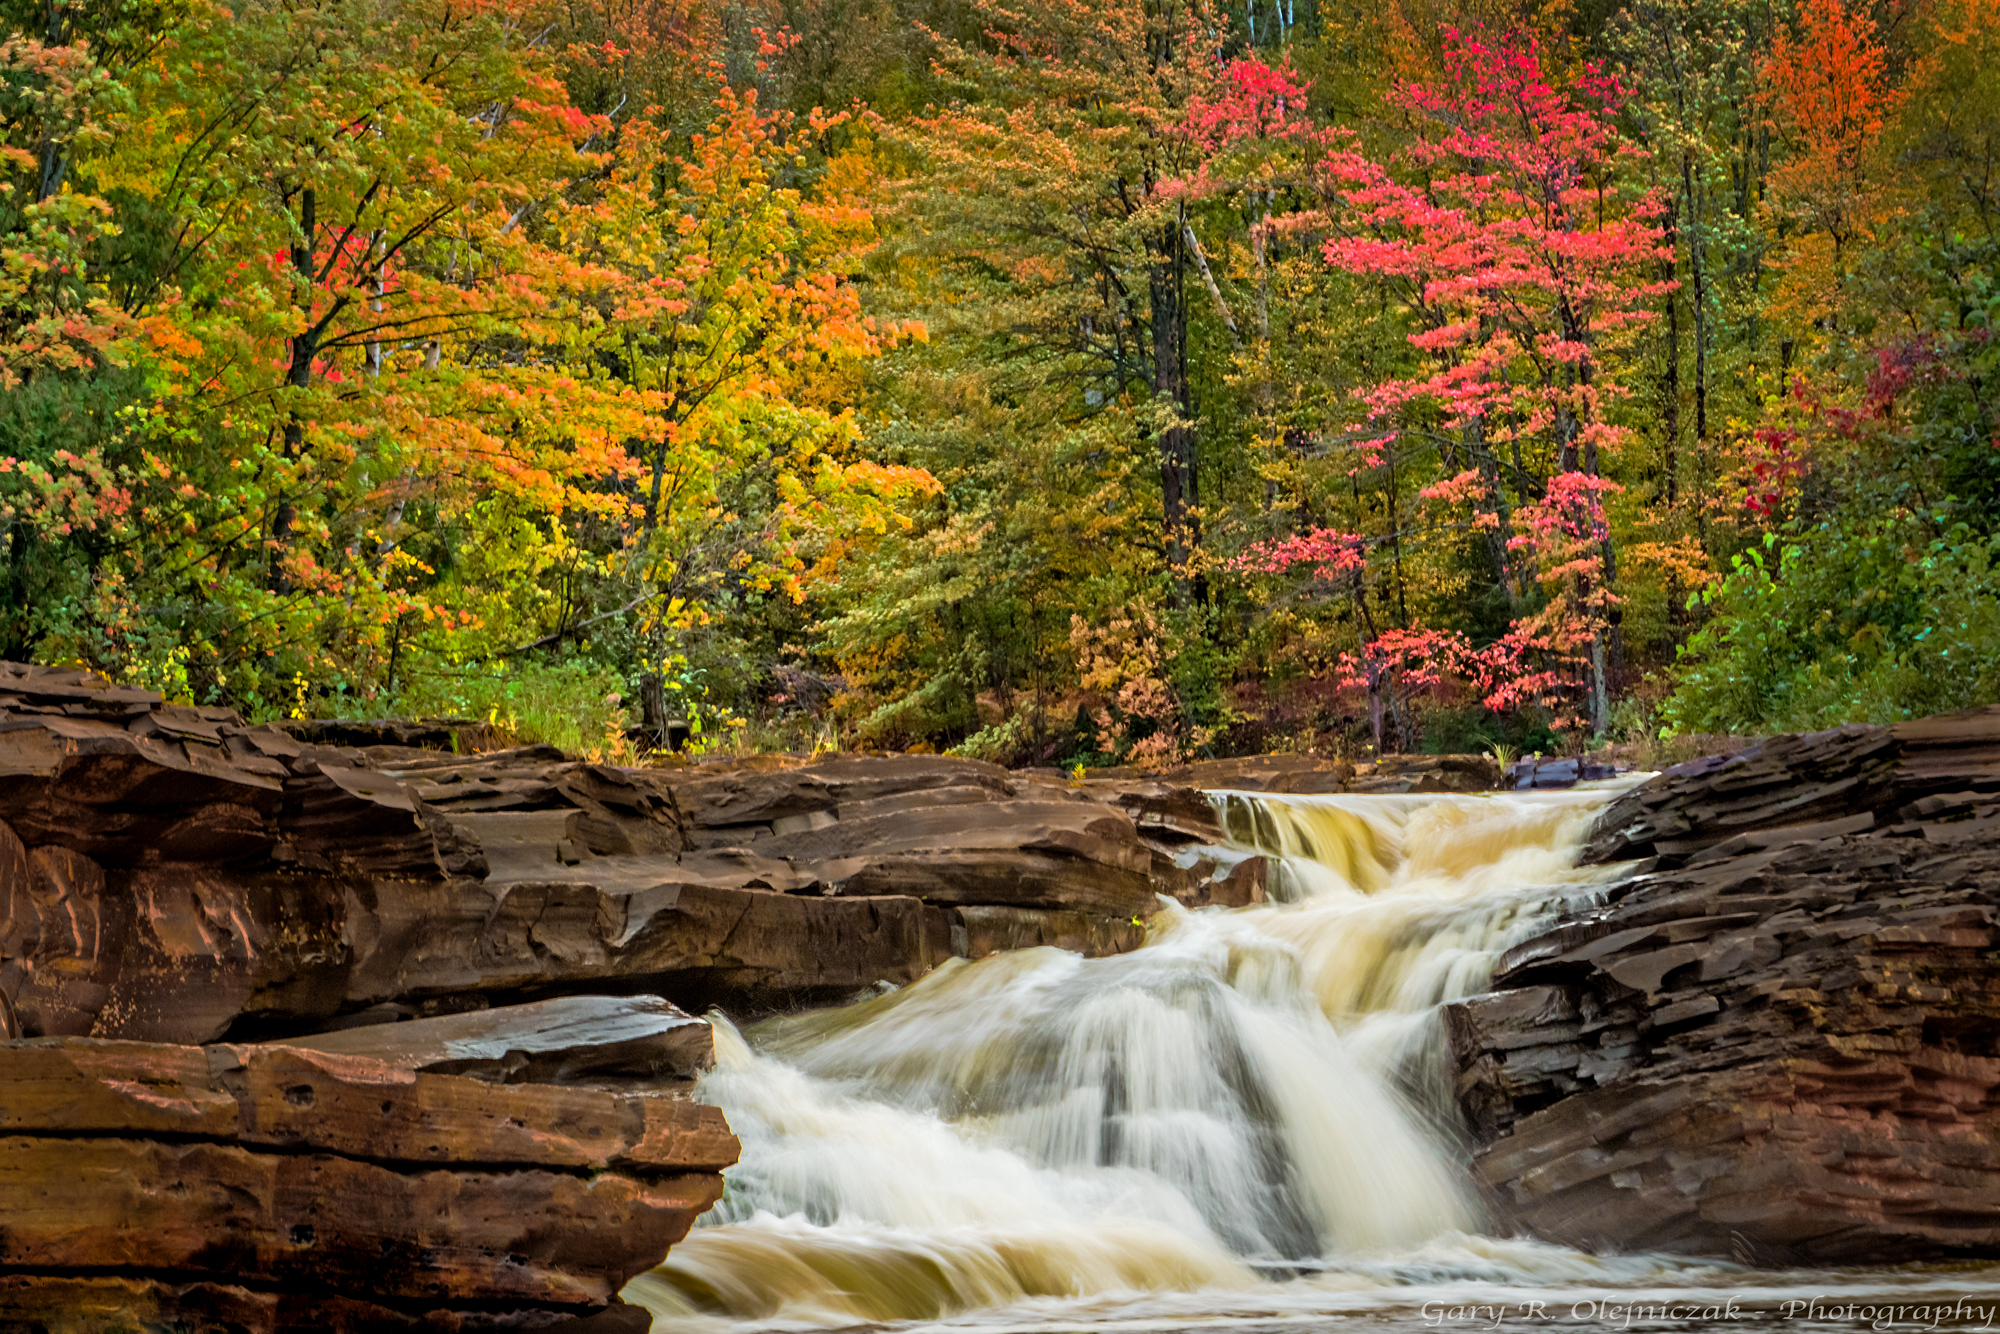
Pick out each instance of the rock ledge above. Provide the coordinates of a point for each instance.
(1779, 1041)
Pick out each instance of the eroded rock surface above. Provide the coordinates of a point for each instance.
(1780, 1040)
(170, 874)
(271, 1187)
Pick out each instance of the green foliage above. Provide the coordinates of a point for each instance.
(1873, 625)
(394, 356)
(577, 706)
(1003, 743)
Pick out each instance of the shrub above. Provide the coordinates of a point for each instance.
(1891, 620)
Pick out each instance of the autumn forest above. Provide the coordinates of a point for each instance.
(1068, 382)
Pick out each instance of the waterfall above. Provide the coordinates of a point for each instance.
(1255, 1095)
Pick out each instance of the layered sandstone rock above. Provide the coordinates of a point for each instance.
(1780, 1040)
(277, 1187)
(378, 1133)
(170, 874)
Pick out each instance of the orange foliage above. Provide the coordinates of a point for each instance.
(1829, 93)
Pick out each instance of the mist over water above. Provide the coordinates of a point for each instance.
(1245, 1123)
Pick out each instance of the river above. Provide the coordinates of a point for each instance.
(1246, 1125)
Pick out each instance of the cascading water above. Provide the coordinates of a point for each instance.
(1247, 1115)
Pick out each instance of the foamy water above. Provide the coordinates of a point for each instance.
(1246, 1124)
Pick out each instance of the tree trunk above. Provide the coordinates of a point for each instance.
(1396, 543)
(1670, 388)
(1496, 536)
(1698, 301)
(653, 720)
(1600, 687)
(1180, 495)
(1364, 629)
(298, 375)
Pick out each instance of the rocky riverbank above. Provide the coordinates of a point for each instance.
(275, 1187)
(360, 1026)
(1779, 1039)
(327, 1026)
(169, 874)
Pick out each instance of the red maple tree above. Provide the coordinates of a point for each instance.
(1510, 235)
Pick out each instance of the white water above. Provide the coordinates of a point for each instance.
(1245, 1122)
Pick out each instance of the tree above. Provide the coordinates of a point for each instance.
(1049, 185)
(65, 347)
(1693, 66)
(324, 214)
(1828, 92)
(1523, 258)
(719, 299)
(415, 337)
(718, 294)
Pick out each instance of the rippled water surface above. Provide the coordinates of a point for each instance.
(1244, 1126)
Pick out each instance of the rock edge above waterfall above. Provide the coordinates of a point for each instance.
(1778, 1040)
(170, 874)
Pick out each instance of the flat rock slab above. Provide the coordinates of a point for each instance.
(334, 1176)
(560, 1041)
(522, 1236)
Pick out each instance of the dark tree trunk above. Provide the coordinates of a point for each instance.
(1670, 387)
(298, 375)
(653, 719)
(1497, 535)
(1698, 303)
(1180, 479)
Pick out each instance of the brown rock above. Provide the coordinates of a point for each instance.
(548, 1042)
(1428, 773)
(343, 819)
(60, 919)
(338, 1181)
(314, 872)
(1295, 774)
(284, 1097)
(1167, 813)
(111, 793)
(532, 1238)
(1775, 1045)
(37, 1303)
(627, 812)
(167, 952)
(748, 793)
(185, 875)
(1798, 781)
(449, 735)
